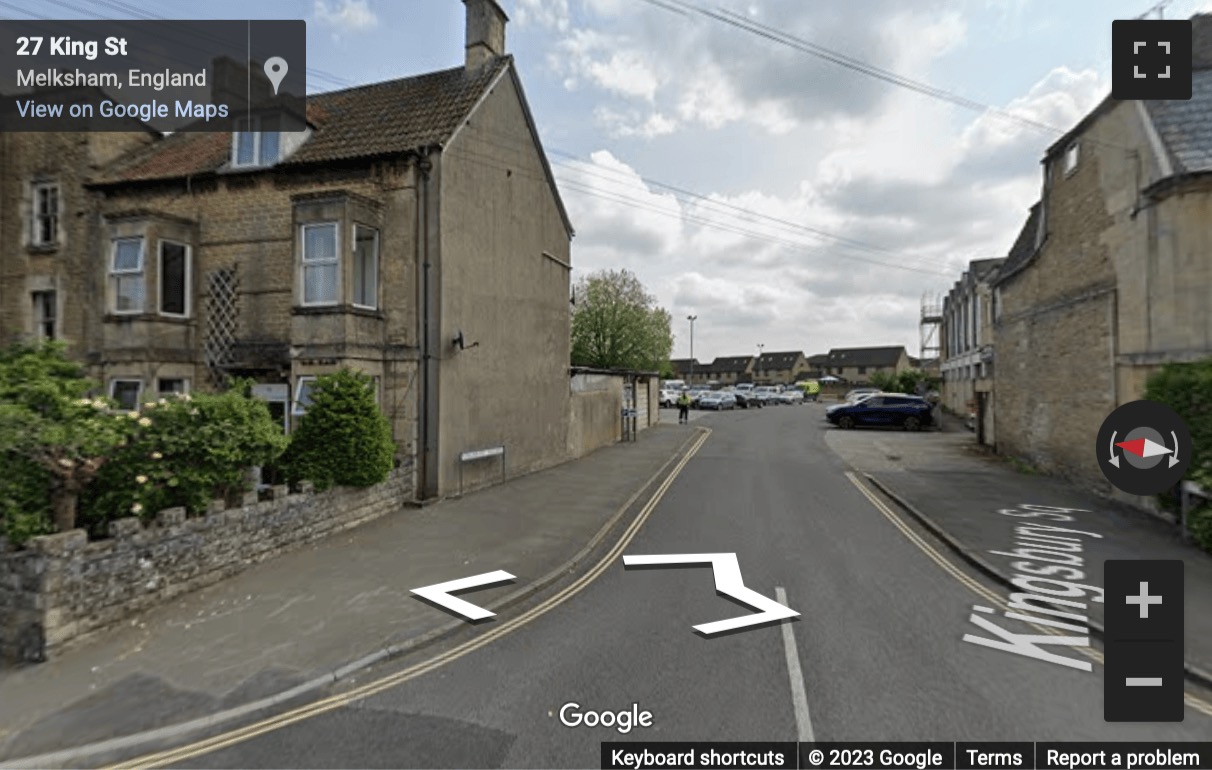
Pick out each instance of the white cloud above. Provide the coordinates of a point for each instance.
(608, 63)
(913, 195)
(551, 14)
(345, 16)
(914, 186)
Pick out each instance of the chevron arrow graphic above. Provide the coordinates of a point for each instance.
(440, 593)
(728, 582)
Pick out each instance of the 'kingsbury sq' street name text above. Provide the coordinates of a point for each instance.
(1048, 565)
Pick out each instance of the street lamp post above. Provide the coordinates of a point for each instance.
(692, 319)
(759, 358)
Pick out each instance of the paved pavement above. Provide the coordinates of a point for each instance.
(307, 613)
(951, 483)
(876, 654)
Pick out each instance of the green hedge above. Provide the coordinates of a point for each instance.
(1187, 389)
(25, 507)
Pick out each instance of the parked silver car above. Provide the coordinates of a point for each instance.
(717, 400)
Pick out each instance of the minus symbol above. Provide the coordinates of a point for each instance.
(1144, 681)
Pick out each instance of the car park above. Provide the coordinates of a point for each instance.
(716, 400)
(767, 394)
(697, 394)
(745, 399)
(883, 409)
(792, 396)
(669, 397)
(852, 396)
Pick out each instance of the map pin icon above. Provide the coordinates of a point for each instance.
(275, 70)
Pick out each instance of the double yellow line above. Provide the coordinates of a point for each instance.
(334, 702)
(995, 601)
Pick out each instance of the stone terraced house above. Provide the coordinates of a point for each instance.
(414, 232)
(1112, 275)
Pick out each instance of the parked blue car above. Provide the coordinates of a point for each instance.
(908, 412)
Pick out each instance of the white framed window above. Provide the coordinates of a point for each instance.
(303, 390)
(175, 283)
(44, 227)
(1071, 158)
(366, 267)
(46, 315)
(253, 146)
(127, 393)
(321, 264)
(168, 385)
(127, 276)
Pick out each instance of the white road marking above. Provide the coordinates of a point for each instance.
(799, 696)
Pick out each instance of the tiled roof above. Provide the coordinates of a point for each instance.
(888, 356)
(1024, 246)
(819, 359)
(731, 364)
(769, 362)
(1185, 126)
(367, 121)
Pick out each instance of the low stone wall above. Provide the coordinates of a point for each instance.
(63, 587)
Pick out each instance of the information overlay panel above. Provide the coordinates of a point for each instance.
(122, 75)
(932, 755)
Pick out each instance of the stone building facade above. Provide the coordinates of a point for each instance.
(1113, 277)
(966, 338)
(48, 226)
(413, 232)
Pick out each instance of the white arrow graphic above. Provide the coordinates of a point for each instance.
(728, 581)
(440, 593)
(1174, 457)
(1114, 457)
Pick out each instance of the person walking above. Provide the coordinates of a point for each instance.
(684, 408)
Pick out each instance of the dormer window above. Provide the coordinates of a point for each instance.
(252, 145)
(1071, 156)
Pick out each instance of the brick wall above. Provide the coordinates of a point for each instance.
(63, 587)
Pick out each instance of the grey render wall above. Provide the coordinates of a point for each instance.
(63, 587)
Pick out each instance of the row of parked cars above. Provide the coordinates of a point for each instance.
(871, 407)
(744, 396)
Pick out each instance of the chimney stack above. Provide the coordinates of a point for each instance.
(485, 32)
(1201, 41)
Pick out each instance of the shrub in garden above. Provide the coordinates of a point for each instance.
(25, 504)
(52, 436)
(1187, 389)
(343, 439)
(185, 451)
(1199, 526)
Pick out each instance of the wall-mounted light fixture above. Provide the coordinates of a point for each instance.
(461, 344)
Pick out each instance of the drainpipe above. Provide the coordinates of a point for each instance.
(430, 350)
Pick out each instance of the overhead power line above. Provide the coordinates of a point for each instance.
(862, 67)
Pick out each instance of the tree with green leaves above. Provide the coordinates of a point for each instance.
(48, 422)
(911, 381)
(616, 324)
(343, 439)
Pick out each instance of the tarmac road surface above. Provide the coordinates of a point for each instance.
(876, 654)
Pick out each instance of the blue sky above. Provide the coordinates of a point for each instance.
(831, 202)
